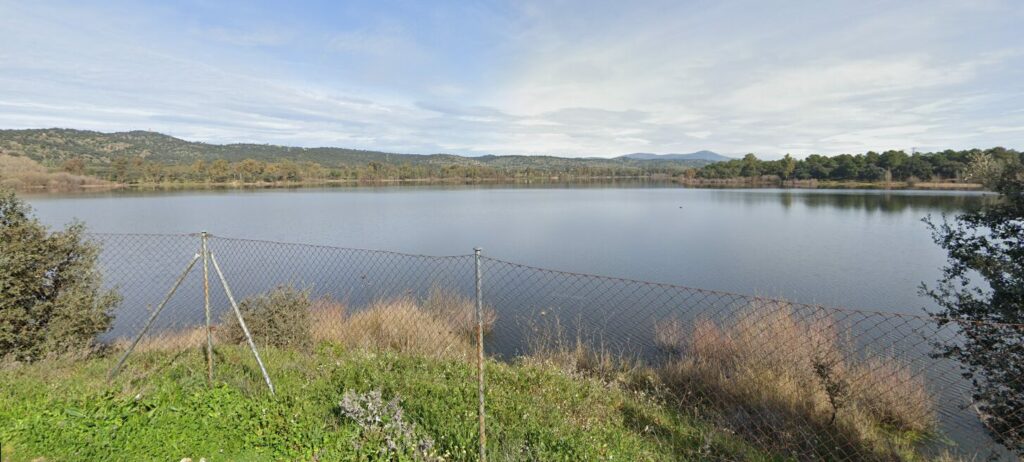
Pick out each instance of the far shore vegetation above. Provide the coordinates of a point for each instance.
(73, 160)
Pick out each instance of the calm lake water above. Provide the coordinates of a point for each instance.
(862, 249)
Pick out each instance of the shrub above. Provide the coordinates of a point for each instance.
(278, 318)
(981, 293)
(51, 301)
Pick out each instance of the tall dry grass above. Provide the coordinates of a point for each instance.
(400, 324)
(458, 311)
(579, 353)
(170, 340)
(793, 385)
(24, 174)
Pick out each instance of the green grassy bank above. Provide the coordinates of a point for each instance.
(161, 408)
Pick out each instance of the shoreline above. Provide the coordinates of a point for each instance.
(739, 183)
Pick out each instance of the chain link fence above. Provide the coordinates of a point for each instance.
(805, 382)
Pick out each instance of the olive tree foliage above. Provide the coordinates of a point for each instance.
(51, 299)
(982, 291)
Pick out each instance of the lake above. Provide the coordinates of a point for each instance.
(851, 248)
(845, 248)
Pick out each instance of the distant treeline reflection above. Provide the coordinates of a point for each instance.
(881, 202)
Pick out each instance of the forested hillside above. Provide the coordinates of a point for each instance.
(140, 156)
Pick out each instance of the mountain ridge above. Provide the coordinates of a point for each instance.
(706, 155)
(52, 146)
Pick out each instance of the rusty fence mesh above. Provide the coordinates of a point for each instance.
(802, 381)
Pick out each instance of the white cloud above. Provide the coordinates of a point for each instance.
(565, 79)
(1003, 129)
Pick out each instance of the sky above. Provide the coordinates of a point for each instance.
(566, 78)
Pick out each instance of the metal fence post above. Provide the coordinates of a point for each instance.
(206, 306)
(241, 322)
(480, 352)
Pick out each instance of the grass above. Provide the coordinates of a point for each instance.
(416, 354)
(160, 407)
(764, 385)
(398, 324)
(780, 382)
(442, 325)
(458, 311)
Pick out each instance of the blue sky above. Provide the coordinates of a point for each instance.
(586, 78)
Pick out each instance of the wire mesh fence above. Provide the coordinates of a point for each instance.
(800, 381)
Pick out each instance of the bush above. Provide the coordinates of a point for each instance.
(981, 292)
(278, 318)
(51, 301)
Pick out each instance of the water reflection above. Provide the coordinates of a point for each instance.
(870, 201)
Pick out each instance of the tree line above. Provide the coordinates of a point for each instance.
(870, 167)
(139, 170)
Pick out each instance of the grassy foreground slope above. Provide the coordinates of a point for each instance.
(160, 407)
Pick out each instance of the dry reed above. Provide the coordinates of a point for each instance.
(396, 324)
(791, 384)
(458, 311)
(24, 174)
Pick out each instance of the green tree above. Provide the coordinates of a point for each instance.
(819, 167)
(890, 160)
(846, 167)
(51, 300)
(788, 164)
(982, 292)
(751, 166)
(914, 167)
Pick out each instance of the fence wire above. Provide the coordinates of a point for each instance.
(801, 381)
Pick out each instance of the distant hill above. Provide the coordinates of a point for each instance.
(54, 145)
(699, 155)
